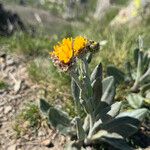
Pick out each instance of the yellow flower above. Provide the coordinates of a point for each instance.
(63, 51)
(69, 48)
(78, 44)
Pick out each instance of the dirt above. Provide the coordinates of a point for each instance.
(19, 91)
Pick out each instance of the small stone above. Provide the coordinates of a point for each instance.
(7, 109)
(3, 66)
(63, 139)
(47, 143)
(41, 133)
(2, 91)
(26, 124)
(12, 147)
(26, 138)
(10, 62)
(2, 103)
(2, 54)
(2, 60)
(1, 109)
(17, 86)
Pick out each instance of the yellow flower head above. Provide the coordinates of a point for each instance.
(69, 48)
(63, 51)
(79, 44)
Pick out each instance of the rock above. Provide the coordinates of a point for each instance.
(2, 91)
(2, 60)
(7, 109)
(10, 62)
(4, 119)
(2, 103)
(41, 133)
(1, 109)
(12, 147)
(2, 66)
(2, 54)
(47, 143)
(11, 69)
(17, 86)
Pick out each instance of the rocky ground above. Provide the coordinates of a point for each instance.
(13, 98)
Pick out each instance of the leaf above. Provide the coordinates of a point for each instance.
(135, 100)
(97, 91)
(115, 109)
(86, 125)
(99, 134)
(76, 94)
(124, 126)
(97, 73)
(106, 113)
(136, 53)
(89, 57)
(128, 77)
(137, 114)
(118, 75)
(80, 131)
(108, 88)
(44, 106)
(101, 110)
(117, 143)
(75, 90)
(112, 139)
(146, 61)
(59, 120)
(139, 65)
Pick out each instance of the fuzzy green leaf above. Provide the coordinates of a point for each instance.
(117, 143)
(76, 94)
(136, 53)
(80, 131)
(89, 57)
(124, 126)
(86, 125)
(99, 134)
(145, 88)
(97, 73)
(44, 106)
(146, 61)
(114, 109)
(139, 65)
(75, 90)
(118, 75)
(135, 100)
(59, 120)
(106, 112)
(101, 110)
(128, 77)
(97, 91)
(108, 88)
(137, 114)
(112, 139)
